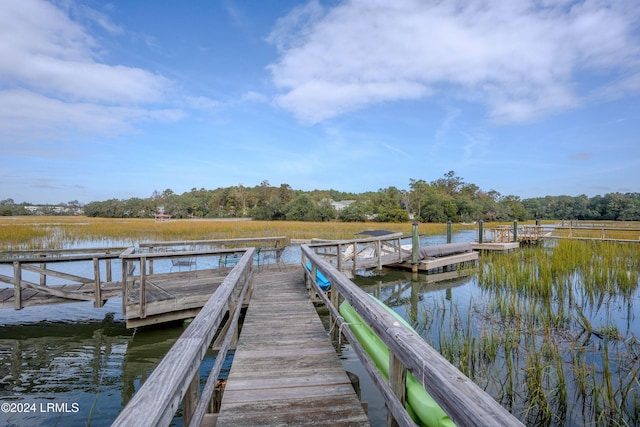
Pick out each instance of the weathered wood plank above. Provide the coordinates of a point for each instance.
(299, 412)
(285, 369)
(59, 274)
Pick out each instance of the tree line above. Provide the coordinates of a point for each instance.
(448, 198)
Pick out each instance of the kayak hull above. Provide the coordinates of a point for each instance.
(419, 404)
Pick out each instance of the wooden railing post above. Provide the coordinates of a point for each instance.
(355, 257)
(190, 399)
(125, 278)
(96, 277)
(17, 285)
(335, 301)
(108, 269)
(397, 381)
(151, 260)
(43, 276)
(143, 285)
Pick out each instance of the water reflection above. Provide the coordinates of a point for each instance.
(554, 347)
(406, 293)
(88, 370)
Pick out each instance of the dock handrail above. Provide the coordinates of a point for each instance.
(44, 262)
(340, 252)
(8, 257)
(145, 261)
(177, 377)
(244, 242)
(465, 402)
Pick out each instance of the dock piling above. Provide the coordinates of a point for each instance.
(415, 246)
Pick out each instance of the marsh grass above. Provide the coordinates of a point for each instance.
(36, 232)
(552, 334)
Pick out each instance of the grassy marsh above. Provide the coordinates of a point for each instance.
(552, 333)
(37, 232)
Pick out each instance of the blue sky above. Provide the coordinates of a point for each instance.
(117, 99)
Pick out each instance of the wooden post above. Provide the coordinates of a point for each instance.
(108, 269)
(379, 250)
(97, 302)
(143, 285)
(339, 257)
(449, 233)
(335, 301)
(43, 276)
(190, 399)
(515, 230)
(314, 277)
(415, 246)
(125, 272)
(355, 257)
(480, 231)
(278, 252)
(17, 285)
(397, 381)
(233, 306)
(151, 260)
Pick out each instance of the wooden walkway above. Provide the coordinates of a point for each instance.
(285, 369)
(171, 296)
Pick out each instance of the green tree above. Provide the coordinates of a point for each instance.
(302, 208)
(355, 212)
(419, 192)
(326, 211)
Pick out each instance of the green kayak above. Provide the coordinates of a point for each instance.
(420, 405)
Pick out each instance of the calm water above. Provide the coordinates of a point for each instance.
(601, 359)
(75, 365)
(88, 365)
(72, 364)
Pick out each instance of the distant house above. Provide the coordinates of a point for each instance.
(162, 217)
(338, 206)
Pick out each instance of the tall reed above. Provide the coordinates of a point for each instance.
(32, 232)
(543, 331)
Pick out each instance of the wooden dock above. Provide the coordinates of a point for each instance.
(186, 274)
(495, 246)
(285, 369)
(170, 296)
(443, 264)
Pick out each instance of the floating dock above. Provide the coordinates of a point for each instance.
(495, 246)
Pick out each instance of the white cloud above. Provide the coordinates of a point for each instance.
(523, 59)
(26, 116)
(51, 76)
